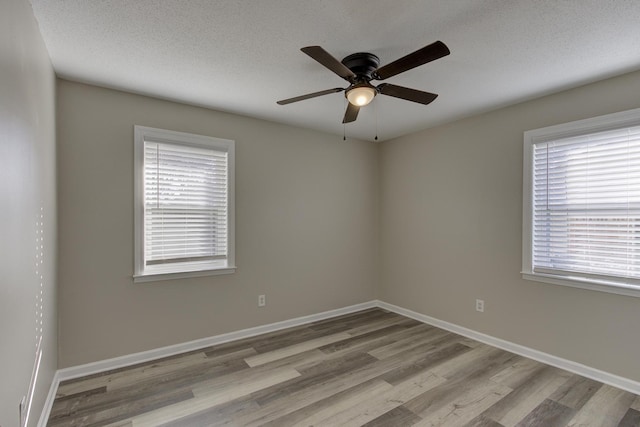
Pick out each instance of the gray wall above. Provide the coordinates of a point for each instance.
(451, 232)
(27, 191)
(306, 227)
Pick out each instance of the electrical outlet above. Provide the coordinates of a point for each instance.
(262, 300)
(480, 305)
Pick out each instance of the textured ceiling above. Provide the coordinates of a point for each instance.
(242, 56)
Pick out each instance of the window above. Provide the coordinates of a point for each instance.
(582, 204)
(184, 209)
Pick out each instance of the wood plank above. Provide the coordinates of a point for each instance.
(212, 416)
(289, 339)
(322, 390)
(244, 380)
(630, 419)
(384, 323)
(408, 339)
(337, 365)
(378, 405)
(290, 362)
(208, 397)
(351, 321)
(430, 359)
(363, 337)
(124, 423)
(365, 346)
(468, 342)
(466, 406)
(527, 396)
(318, 375)
(150, 371)
(355, 348)
(477, 372)
(309, 357)
(254, 341)
(102, 380)
(178, 380)
(466, 362)
(482, 421)
(230, 347)
(548, 413)
(100, 416)
(606, 407)
(399, 416)
(322, 409)
(261, 359)
(60, 397)
(304, 397)
(514, 375)
(576, 392)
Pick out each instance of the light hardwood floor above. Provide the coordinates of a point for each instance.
(371, 368)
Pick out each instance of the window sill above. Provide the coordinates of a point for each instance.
(584, 283)
(154, 277)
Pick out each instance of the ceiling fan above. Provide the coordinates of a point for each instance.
(359, 69)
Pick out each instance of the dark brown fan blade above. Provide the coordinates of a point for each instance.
(407, 93)
(351, 114)
(419, 57)
(310, 95)
(325, 58)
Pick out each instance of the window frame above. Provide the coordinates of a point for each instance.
(142, 134)
(618, 120)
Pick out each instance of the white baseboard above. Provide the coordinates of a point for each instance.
(145, 356)
(158, 353)
(549, 359)
(48, 403)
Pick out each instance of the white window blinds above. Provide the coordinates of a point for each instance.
(586, 205)
(185, 204)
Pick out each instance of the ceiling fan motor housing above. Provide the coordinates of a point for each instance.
(362, 64)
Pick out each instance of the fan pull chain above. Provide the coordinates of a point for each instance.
(344, 125)
(375, 111)
(344, 131)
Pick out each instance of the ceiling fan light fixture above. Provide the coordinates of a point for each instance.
(361, 95)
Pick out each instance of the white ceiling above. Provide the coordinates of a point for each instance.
(242, 56)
